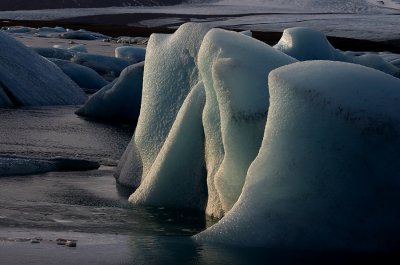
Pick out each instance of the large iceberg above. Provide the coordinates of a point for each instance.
(169, 74)
(119, 100)
(328, 172)
(29, 79)
(234, 68)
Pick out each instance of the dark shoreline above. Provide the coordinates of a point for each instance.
(129, 25)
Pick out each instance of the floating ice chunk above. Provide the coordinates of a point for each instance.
(51, 30)
(177, 177)
(17, 165)
(78, 48)
(234, 68)
(307, 44)
(29, 79)
(86, 78)
(170, 72)
(130, 53)
(132, 40)
(38, 32)
(328, 172)
(119, 100)
(55, 52)
(377, 62)
(82, 35)
(19, 29)
(107, 66)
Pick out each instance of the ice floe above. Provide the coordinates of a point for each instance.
(28, 79)
(120, 100)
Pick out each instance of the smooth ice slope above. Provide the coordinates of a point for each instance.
(29, 79)
(308, 44)
(119, 100)
(328, 171)
(177, 177)
(83, 76)
(234, 68)
(170, 73)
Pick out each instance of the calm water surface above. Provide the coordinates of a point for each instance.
(91, 208)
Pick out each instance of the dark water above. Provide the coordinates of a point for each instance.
(56, 131)
(89, 206)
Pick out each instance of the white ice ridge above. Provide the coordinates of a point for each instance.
(28, 79)
(170, 73)
(327, 175)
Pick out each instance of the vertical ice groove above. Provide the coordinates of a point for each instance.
(234, 68)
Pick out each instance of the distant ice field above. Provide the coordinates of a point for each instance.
(362, 19)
